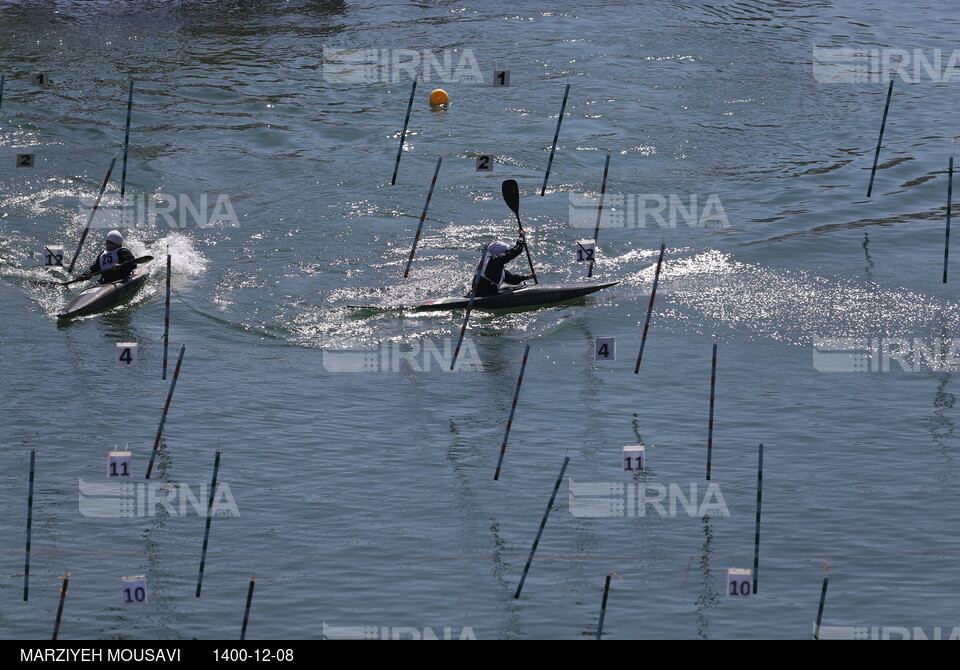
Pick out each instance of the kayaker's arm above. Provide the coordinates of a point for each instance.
(124, 256)
(513, 251)
(513, 280)
(120, 270)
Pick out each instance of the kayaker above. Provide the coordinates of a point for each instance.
(493, 273)
(114, 254)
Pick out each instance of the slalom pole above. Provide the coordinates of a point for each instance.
(513, 408)
(126, 143)
(603, 190)
(653, 296)
(423, 216)
(543, 522)
(83, 237)
(403, 133)
(166, 408)
(556, 136)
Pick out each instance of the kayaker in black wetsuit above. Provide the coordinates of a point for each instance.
(113, 255)
(493, 273)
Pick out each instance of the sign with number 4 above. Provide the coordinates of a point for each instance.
(135, 589)
(605, 349)
(126, 354)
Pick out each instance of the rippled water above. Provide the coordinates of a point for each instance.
(367, 499)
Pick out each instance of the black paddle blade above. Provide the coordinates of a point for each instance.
(511, 195)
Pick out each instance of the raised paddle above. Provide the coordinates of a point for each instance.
(511, 196)
(142, 259)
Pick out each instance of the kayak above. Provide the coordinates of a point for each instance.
(529, 295)
(99, 297)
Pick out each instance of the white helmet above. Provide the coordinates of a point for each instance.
(115, 237)
(497, 248)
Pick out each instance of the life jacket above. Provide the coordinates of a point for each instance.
(109, 258)
(483, 273)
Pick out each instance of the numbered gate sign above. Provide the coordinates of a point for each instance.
(126, 354)
(53, 256)
(586, 250)
(26, 160)
(40, 79)
(135, 589)
(738, 582)
(501, 77)
(605, 349)
(484, 163)
(119, 463)
(634, 458)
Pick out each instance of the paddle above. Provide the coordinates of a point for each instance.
(511, 196)
(466, 317)
(142, 259)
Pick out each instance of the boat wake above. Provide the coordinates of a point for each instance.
(792, 306)
(19, 266)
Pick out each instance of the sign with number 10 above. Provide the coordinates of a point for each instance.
(135, 589)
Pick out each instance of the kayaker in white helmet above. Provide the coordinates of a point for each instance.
(493, 273)
(114, 254)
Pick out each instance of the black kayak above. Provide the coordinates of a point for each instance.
(99, 297)
(529, 295)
